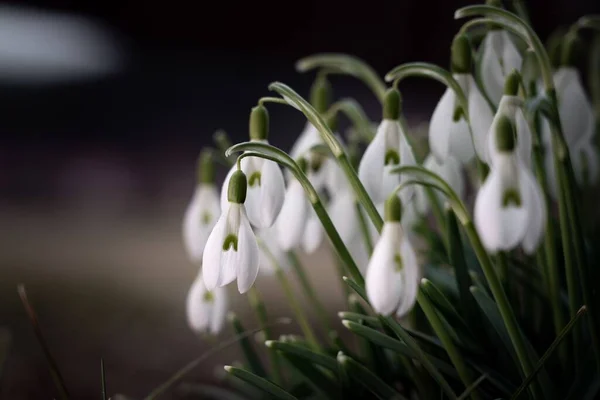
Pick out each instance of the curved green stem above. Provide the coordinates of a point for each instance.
(345, 64)
(364, 228)
(262, 150)
(268, 99)
(296, 101)
(355, 113)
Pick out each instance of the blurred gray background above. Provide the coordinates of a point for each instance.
(104, 108)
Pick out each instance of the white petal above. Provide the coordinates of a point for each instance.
(211, 259)
(219, 310)
(536, 207)
(407, 158)
(511, 58)
(225, 189)
(575, 110)
(271, 256)
(247, 269)
(343, 213)
(270, 197)
(230, 257)
(492, 74)
(200, 217)
(500, 228)
(511, 107)
(524, 138)
(384, 280)
(308, 138)
(481, 117)
(198, 310)
(439, 126)
(411, 276)
(292, 218)
(313, 233)
(370, 169)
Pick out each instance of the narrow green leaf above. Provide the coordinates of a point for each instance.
(303, 352)
(260, 383)
(472, 387)
(354, 286)
(249, 353)
(440, 329)
(367, 378)
(539, 366)
(102, 379)
(420, 355)
(396, 345)
(371, 322)
(317, 379)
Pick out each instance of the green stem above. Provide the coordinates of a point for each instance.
(261, 313)
(438, 214)
(364, 228)
(297, 309)
(453, 352)
(309, 291)
(510, 321)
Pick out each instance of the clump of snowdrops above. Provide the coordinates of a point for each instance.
(469, 271)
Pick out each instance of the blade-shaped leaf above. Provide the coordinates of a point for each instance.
(263, 384)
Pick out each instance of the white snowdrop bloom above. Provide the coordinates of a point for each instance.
(499, 56)
(271, 256)
(291, 222)
(450, 171)
(392, 279)
(266, 187)
(199, 220)
(449, 132)
(313, 233)
(509, 208)
(205, 309)
(511, 107)
(231, 250)
(578, 125)
(388, 150)
(344, 215)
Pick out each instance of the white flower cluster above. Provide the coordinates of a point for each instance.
(509, 208)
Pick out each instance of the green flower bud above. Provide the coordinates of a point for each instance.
(511, 84)
(236, 192)
(259, 123)
(206, 167)
(392, 102)
(571, 50)
(393, 209)
(505, 137)
(321, 94)
(462, 57)
(302, 164)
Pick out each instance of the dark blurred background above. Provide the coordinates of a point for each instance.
(97, 159)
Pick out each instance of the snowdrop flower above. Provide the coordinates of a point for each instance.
(577, 120)
(388, 150)
(509, 208)
(511, 106)
(499, 56)
(292, 219)
(202, 213)
(266, 187)
(271, 256)
(449, 132)
(313, 233)
(450, 171)
(231, 250)
(392, 279)
(206, 309)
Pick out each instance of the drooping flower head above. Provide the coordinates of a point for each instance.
(511, 107)
(231, 250)
(291, 223)
(266, 187)
(449, 133)
(203, 211)
(499, 56)
(577, 119)
(205, 309)
(509, 208)
(388, 150)
(392, 279)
